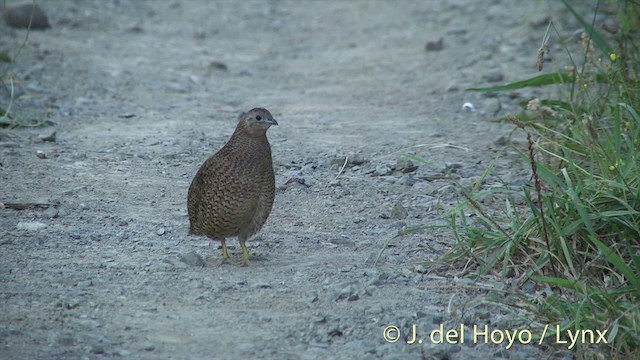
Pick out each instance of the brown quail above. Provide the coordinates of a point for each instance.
(232, 193)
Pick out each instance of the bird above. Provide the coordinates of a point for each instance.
(233, 191)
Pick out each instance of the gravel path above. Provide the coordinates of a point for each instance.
(139, 93)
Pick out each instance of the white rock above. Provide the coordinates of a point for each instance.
(30, 225)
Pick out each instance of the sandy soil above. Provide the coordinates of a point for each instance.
(141, 93)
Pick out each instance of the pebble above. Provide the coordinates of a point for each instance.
(492, 105)
(434, 45)
(161, 231)
(502, 141)
(420, 269)
(382, 170)
(30, 225)
(348, 292)
(493, 76)
(66, 340)
(405, 165)
(261, 285)
(48, 136)
(409, 180)
(50, 213)
(453, 167)
(84, 283)
(148, 347)
(218, 65)
(398, 211)
(19, 16)
(192, 259)
(97, 349)
(41, 154)
(356, 159)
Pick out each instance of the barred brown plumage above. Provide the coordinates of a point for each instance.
(233, 191)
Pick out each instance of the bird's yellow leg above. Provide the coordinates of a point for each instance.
(245, 253)
(225, 254)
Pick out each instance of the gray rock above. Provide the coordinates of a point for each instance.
(192, 259)
(97, 349)
(48, 136)
(501, 141)
(30, 225)
(453, 167)
(20, 16)
(50, 213)
(41, 154)
(356, 159)
(398, 211)
(261, 285)
(66, 340)
(434, 45)
(493, 76)
(382, 170)
(84, 283)
(420, 269)
(405, 165)
(348, 292)
(148, 347)
(492, 105)
(161, 231)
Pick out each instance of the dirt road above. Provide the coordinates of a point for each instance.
(140, 93)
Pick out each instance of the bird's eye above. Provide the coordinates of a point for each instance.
(258, 117)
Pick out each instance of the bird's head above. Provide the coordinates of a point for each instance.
(257, 121)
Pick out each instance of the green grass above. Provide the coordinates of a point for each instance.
(575, 231)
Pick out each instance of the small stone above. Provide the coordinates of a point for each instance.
(120, 352)
(161, 231)
(452, 87)
(346, 293)
(148, 347)
(218, 65)
(540, 21)
(48, 136)
(420, 269)
(20, 16)
(66, 340)
(30, 225)
(297, 178)
(453, 167)
(356, 159)
(492, 105)
(84, 283)
(405, 165)
(501, 141)
(50, 213)
(41, 154)
(398, 211)
(435, 45)
(192, 259)
(382, 170)
(410, 180)
(97, 349)
(261, 285)
(493, 76)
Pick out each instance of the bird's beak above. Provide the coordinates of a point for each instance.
(272, 121)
